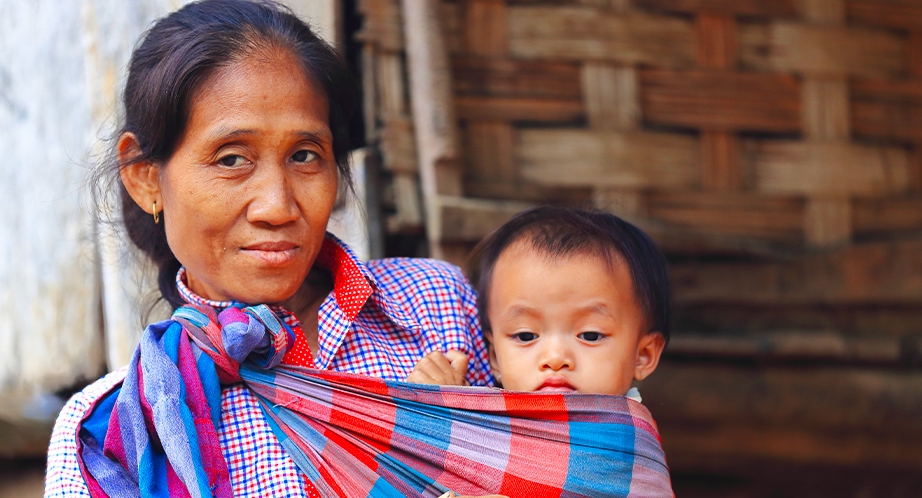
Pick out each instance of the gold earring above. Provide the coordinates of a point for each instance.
(156, 214)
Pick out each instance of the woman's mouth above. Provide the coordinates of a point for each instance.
(556, 384)
(272, 253)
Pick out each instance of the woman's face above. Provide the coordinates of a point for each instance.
(248, 192)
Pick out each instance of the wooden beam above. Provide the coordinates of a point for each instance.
(398, 146)
(754, 8)
(862, 274)
(503, 77)
(856, 417)
(433, 109)
(382, 24)
(588, 33)
(807, 48)
(608, 159)
(721, 100)
(490, 152)
(484, 27)
(469, 220)
(899, 14)
(828, 221)
(885, 216)
(888, 109)
(519, 109)
(776, 218)
(826, 169)
(610, 96)
(826, 109)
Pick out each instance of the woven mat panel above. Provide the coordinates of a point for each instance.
(787, 121)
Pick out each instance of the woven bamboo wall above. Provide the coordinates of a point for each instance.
(774, 149)
(781, 121)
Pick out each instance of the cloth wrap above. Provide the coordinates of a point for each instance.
(155, 434)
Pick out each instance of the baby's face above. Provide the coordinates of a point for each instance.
(572, 324)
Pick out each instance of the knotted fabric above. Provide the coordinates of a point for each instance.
(351, 435)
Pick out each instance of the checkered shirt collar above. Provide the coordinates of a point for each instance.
(353, 284)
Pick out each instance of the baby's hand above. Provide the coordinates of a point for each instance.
(447, 369)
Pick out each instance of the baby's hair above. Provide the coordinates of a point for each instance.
(559, 232)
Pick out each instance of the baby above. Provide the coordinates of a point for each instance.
(569, 301)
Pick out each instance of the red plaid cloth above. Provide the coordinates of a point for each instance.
(415, 306)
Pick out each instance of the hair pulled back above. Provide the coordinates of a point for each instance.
(180, 52)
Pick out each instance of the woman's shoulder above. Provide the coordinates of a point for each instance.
(63, 477)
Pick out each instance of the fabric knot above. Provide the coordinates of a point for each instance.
(236, 335)
(255, 333)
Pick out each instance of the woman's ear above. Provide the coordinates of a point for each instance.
(141, 179)
(649, 349)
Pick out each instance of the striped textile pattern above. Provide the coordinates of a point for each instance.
(352, 435)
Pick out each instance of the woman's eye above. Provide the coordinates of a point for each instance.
(524, 336)
(591, 336)
(232, 161)
(303, 156)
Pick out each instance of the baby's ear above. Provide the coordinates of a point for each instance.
(649, 349)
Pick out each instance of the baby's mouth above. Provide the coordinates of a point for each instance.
(556, 384)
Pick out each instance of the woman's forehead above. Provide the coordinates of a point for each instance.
(253, 93)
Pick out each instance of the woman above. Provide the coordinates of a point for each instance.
(230, 157)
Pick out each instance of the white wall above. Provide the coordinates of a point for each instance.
(70, 290)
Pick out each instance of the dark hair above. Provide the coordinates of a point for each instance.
(560, 232)
(178, 54)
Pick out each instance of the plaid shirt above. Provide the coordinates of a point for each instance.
(381, 318)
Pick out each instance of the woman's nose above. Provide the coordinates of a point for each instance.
(273, 198)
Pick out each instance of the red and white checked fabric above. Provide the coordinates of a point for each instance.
(381, 318)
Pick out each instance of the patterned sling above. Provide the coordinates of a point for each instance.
(351, 435)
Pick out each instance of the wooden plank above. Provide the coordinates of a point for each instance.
(608, 159)
(490, 152)
(527, 192)
(826, 109)
(815, 49)
(391, 85)
(811, 345)
(748, 215)
(398, 146)
(864, 274)
(822, 11)
(885, 216)
(721, 100)
(624, 203)
(857, 417)
(587, 33)
(721, 168)
(484, 27)
(465, 220)
(905, 14)
(504, 77)
(887, 109)
(716, 44)
(754, 8)
(519, 109)
(828, 221)
(611, 96)
(382, 24)
(828, 168)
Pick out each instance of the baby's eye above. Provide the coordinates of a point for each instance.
(591, 336)
(524, 336)
(303, 156)
(232, 161)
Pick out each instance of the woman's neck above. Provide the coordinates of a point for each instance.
(305, 304)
